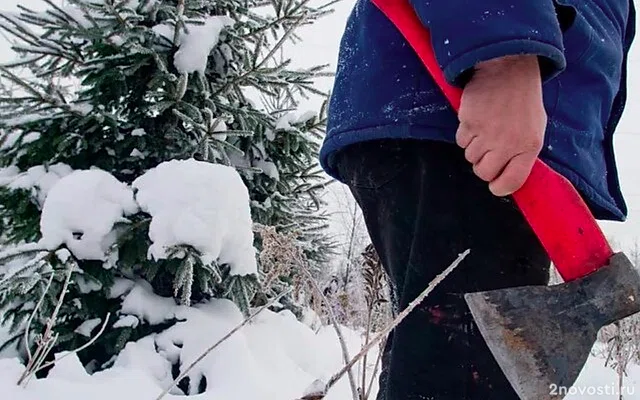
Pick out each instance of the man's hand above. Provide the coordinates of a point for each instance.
(502, 121)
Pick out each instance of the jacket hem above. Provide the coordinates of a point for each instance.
(601, 207)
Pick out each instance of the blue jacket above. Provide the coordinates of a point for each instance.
(382, 90)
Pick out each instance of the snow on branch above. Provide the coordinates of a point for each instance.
(81, 210)
(201, 204)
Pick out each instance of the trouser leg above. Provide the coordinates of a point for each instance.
(423, 206)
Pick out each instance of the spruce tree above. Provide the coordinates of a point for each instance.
(123, 86)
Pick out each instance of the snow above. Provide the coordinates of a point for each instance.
(286, 121)
(10, 351)
(196, 45)
(120, 287)
(164, 30)
(108, 385)
(127, 321)
(79, 16)
(138, 132)
(8, 140)
(202, 204)
(38, 179)
(81, 108)
(30, 137)
(307, 116)
(80, 211)
(272, 358)
(268, 168)
(143, 304)
(137, 153)
(63, 255)
(88, 326)
(87, 285)
(8, 174)
(25, 119)
(220, 126)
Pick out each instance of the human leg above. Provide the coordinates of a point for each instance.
(423, 206)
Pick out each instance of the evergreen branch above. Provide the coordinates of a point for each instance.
(66, 15)
(87, 14)
(329, 4)
(278, 45)
(220, 341)
(22, 62)
(29, 265)
(44, 51)
(29, 248)
(282, 41)
(299, 6)
(18, 81)
(179, 22)
(25, 33)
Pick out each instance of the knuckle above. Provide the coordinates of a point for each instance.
(537, 141)
(463, 136)
(469, 154)
(483, 173)
(533, 145)
(516, 182)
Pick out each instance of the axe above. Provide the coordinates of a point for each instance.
(541, 336)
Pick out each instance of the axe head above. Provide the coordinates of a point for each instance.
(541, 336)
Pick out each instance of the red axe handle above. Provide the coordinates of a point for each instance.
(556, 212)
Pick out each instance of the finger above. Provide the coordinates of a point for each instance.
(514, 175)
(464, 135)
(490, 165)
(475, 150)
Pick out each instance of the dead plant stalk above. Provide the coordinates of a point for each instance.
(319, 395)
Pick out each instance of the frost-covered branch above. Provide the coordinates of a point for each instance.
(79, 349)
(48, 338)
(319, 390)
(30, 320)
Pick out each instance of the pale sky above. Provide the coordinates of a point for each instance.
(320, 46)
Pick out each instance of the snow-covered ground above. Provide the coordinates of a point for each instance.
(273, 358)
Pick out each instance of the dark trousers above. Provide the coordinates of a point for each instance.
(423, 206)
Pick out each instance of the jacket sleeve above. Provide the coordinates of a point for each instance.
(466, 32)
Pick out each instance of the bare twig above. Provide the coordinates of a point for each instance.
(336, 327)
(48, 339)
(364, 358)
(35, 311)
(216, 344)
(320, 394)
(295, 258)
(375, 368)
(84, 346)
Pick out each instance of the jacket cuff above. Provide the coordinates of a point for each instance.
(551, 59)
(465, 33)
